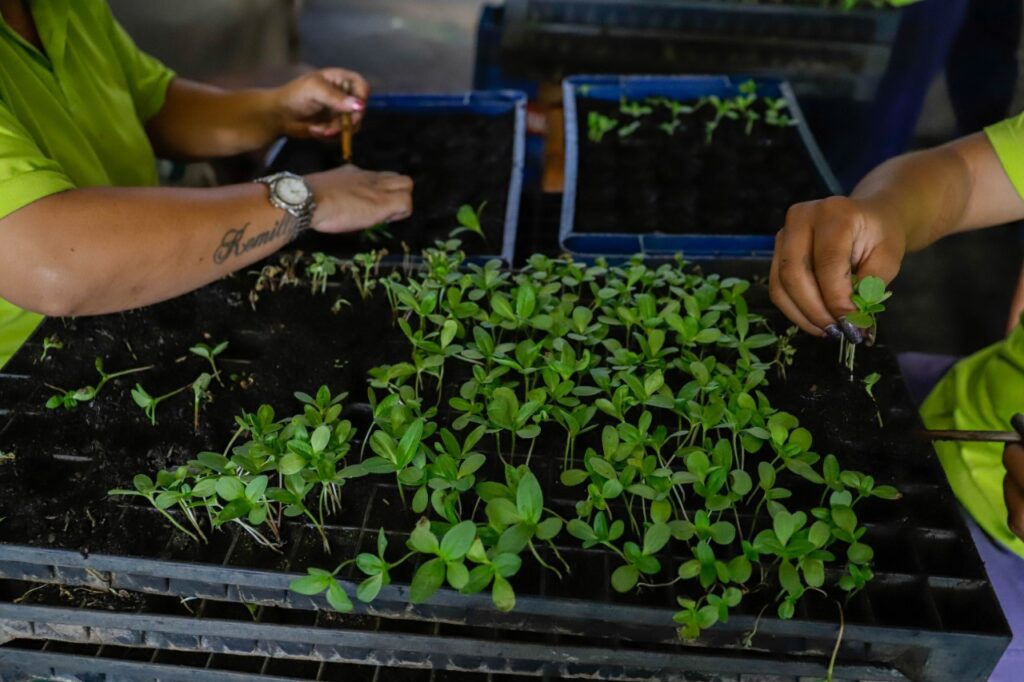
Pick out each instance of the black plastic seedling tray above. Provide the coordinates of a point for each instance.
(930, 613)
(825, 52)
(466, 148)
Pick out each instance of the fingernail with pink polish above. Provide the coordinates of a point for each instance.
(354, 103)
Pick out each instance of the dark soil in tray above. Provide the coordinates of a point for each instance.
(454, 159)
(54, 493)
(651, 182)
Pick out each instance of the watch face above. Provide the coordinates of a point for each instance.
(291, 191)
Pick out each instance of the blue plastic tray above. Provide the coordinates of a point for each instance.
(681, 88)
(486, 103)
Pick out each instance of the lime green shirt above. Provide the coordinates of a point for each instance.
(71, 116)
(984, 390)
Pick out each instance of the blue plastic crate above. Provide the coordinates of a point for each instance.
(682, 88)
(487, 103)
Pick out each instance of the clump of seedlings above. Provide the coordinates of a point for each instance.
(71, 399)
(640, 390)
(869, 296)
(320, 271)
(273, 277)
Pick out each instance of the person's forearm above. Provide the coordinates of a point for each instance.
(98, 250)
(923, 193)
(931, 194)
(200, 121)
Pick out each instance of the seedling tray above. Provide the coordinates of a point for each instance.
(459, 149)
(930, 613)
(824, 52)
(121, 620)
(723, 199)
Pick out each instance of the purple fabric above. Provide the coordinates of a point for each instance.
(1006, 571)
(921, 371)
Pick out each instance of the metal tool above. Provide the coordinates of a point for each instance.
(1015, 436)
(346, 127)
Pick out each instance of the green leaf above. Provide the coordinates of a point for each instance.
(814, 572)
(448, 332)
(871, 289)
(427, 580)
(256, 487)
(320, 438)
(337, 598)
(859, 553)
(502, 594)
(291, 463)
(820, 533)
(789, 578)
(370, 588)
(422, 539)
(457, 541)
(507, 565)
(549, 528)
(573, 477)
(656, 537)
(844, 518)
(785, 524)
(886, 492)
(624, 578)
(529, 499)
(230, 488)
(310, 584)
(458, 574)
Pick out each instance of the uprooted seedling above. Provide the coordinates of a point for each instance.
(869, 296)
(71, 399)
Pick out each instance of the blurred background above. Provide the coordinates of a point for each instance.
(948, 68)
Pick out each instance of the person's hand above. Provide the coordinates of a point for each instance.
(349, 199)
(1013, 487)
(311, 105)
(821, 245)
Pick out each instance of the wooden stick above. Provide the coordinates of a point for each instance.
(346, 128)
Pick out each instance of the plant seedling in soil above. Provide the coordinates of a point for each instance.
(70, 399)
(365, 268)
(599, 125)
(869, 388)
(469, 220)
(776, 112)
(659, 373)
(149, 403)
(320, 271)
(200, 392)
(50, 343)
(210, 353)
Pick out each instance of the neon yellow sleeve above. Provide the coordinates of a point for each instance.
(1007, 138)
(26, 174)
(148, 77)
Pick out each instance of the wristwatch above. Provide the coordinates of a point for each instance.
(290, 192)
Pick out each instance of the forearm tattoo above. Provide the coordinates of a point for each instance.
(234, 242)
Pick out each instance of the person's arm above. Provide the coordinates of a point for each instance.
(201, 121)
(903, 205)
(100, 250)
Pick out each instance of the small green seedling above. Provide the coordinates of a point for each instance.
(869, 388)
(50, 343)
(634, 109)
(627, 130)
(599, 125)
(869, 296)
(469, 220)
(200, 392)
(71, 399)
(149, 403)
(776, 112)
(210, 353)
(670, 127)
(320, 270)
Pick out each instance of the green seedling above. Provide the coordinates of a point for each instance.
(365, 269)
(599, 125)
(200, 393)
(776, 112)
(320, 271)
(149, 403)
(627, 130)
(869, 388)
(50, 343)
(869, 297)
(71, 399)
(469, 220)
(634, 109)
(210, 353)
